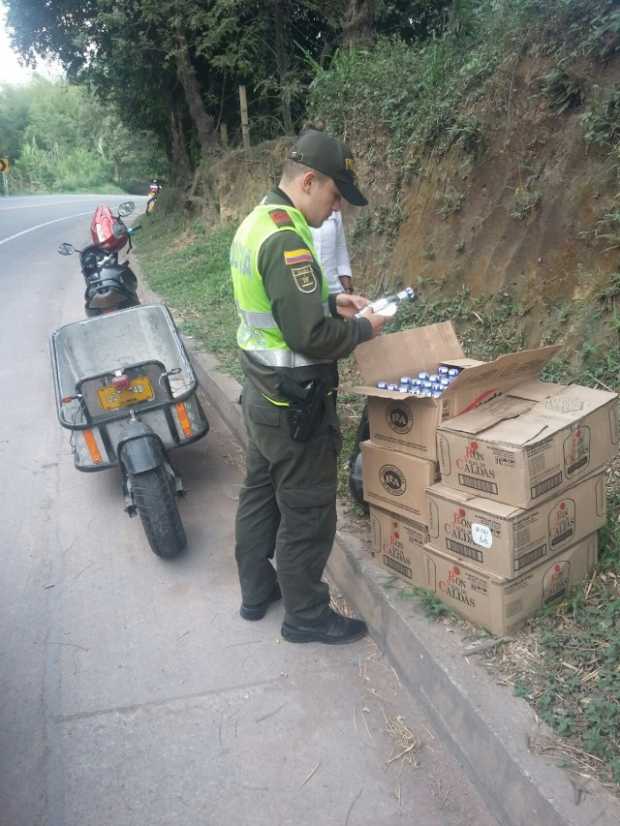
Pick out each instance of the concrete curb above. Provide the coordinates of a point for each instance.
(488, 727)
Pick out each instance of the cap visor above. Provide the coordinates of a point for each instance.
(350, 193)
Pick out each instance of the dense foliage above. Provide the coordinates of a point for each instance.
(174, 66)
(416, 93)
(61, 138)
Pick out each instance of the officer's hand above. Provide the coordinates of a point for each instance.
(348, 304)
(376, 321)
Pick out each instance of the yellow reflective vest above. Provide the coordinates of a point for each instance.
(258, 333)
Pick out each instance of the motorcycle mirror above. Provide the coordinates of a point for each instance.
(126, 208)
(119, 230)
(66, 249)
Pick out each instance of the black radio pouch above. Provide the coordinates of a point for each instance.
(306, 405)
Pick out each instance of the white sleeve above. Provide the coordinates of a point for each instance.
(343, 263)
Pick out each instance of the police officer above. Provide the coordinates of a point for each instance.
(291, 332)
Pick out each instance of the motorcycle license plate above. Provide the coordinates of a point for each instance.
(139, 390)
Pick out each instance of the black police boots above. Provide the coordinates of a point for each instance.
(333, 629)
(257, 612)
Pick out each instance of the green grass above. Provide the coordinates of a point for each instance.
(574, 684)
(488, 326)
(188, 266)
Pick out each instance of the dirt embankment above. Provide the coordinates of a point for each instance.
(517, 210)
(523, 216)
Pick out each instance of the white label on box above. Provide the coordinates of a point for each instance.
(481, 535)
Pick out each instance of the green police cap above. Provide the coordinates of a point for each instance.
(322, 152)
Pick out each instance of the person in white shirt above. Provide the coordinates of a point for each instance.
(331, 248)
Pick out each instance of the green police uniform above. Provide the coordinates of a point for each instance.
(289, 328)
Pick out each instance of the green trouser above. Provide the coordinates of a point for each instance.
(287, 507)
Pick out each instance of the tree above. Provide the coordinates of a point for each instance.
(185, 56)
(67, 139)
(14, 110)
(359, 24)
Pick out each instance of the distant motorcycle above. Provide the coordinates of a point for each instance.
(110, 285)
(154, 190)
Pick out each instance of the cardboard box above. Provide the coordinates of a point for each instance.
(397, 544)
(409, 424)
(506, 540)
(501, 605)
(397, 482)
(520, 452)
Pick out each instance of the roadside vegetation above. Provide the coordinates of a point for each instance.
(189, 267)
(419, 94)
(61, 138)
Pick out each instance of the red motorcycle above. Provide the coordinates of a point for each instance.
(110, 285)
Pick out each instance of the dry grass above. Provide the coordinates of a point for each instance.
(405, 743)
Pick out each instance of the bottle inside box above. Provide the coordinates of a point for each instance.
(426, 384)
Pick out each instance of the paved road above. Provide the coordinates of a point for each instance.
(131, 693)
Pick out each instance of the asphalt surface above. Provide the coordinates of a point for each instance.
(131, 693)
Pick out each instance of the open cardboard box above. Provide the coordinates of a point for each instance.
(408, 424)
(507, 540)
(521, 451)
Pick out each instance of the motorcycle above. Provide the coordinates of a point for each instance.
(154, 190)
(127, 391)
(110, 285)
(356, 484)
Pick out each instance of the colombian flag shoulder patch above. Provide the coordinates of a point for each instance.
(300, 256)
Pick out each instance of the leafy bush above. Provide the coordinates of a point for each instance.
(601, 123)
(420, 93)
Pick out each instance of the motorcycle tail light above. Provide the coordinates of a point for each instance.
(120, 382)
(186, 425)
(91, 444)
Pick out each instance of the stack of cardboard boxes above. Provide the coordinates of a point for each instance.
(491, 495)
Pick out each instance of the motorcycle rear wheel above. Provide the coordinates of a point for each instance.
(356, 487)
(155, 500)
